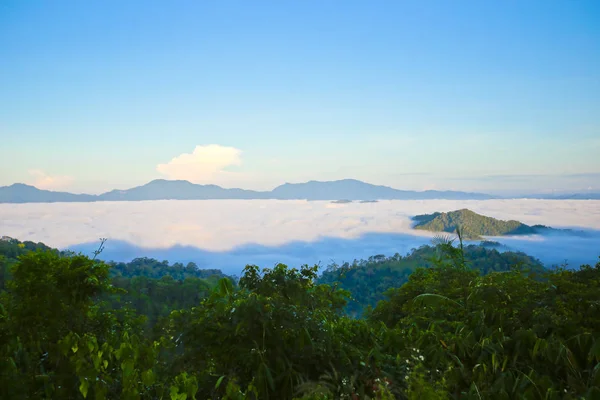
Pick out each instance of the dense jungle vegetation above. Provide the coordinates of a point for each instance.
(369, 280)
(455, 323)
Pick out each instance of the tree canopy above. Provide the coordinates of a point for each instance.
(71, 329)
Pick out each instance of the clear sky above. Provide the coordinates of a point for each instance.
(492, 96)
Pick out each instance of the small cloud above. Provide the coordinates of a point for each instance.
(42, 180)
(411, 174)
(204, 164)
(591, 175)
(525, 177)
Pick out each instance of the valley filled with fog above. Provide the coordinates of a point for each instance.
(228, 234)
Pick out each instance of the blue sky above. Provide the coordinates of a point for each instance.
(467, 95)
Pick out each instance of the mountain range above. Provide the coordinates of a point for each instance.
(160, 189)
(569, 196)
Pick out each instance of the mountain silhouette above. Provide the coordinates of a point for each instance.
(352, 189)
(344, 189)
(21, 193)
(161, 189)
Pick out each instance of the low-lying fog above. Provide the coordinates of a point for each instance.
(228, 234)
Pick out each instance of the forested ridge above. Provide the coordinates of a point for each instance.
(369, 280)
(456, 322)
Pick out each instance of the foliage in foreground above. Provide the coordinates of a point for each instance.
(447, 333)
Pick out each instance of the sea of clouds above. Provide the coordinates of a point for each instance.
(228, 234)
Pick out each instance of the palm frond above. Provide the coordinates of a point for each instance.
(442, 240)
(432, 299)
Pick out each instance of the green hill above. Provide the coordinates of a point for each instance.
(369, 280)
(474, 225)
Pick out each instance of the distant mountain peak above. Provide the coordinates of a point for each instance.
(23, 193)
(168, 182)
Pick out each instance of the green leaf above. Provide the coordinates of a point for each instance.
(83, 387)
(268, 375)
(307, 337)
(148, 377)
(74, 348)
(64, 345)
(90, 344)
(174, 392)
(13, 365)
(175, 395)
(127, 367)
(100, 391)
(595, 351)
(219, 382)
(96, 362)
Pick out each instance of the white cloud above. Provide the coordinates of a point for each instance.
(42, 180)
(228, 234)
(206, 164)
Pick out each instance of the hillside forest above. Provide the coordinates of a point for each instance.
(445, 321)
(477, 226)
